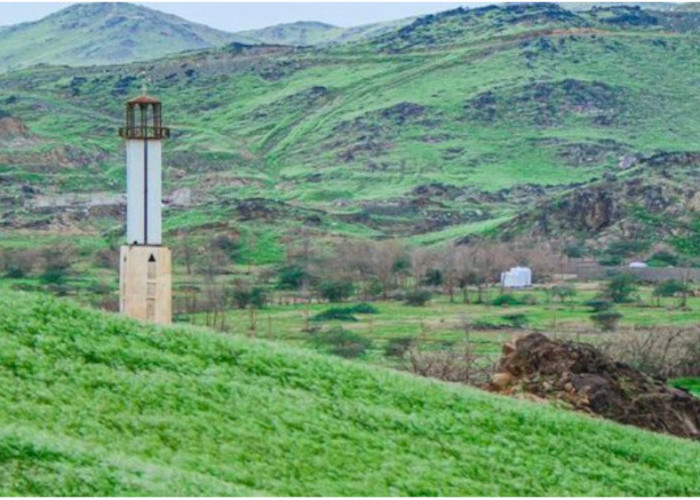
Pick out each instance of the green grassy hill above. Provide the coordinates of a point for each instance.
(104, 33)
(97, 405)
(447, 125)
(305, 33)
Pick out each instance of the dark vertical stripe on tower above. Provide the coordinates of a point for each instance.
(145, 191)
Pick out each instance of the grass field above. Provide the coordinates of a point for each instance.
(98, 405)
(441, 321)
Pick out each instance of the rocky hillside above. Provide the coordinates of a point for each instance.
(654, 200)
(442, 127)
(104, 33)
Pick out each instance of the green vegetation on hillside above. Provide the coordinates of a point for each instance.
(98, 405)
(453, 122)
(104, 33)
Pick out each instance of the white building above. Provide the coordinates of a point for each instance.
(638, 265)
(517, 277)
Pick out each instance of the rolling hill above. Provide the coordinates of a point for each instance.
(98, 405)
(450, 124)
(104, 33)
(305, 33)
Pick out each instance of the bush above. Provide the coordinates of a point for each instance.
(507, 299)
(663, 259)
(397, 347)
(516, 320)
(529, 299)
(363, 308)
(606, 320)
(563, 292)
(342, 342)
(256, 298)
(107, 258)
(659, 352)
(335, 313)
(599, 304)
(621, 287)
(610, 260)
(484, 324)
(417, 297)
(670, 288)
(335, 291)
(291, 278)
(345, 313)
(433, 278)
(54, 276)
(18, 263)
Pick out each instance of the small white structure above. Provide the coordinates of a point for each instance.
(638, 265)
(517, 277)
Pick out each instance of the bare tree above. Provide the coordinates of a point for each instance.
(382, 258)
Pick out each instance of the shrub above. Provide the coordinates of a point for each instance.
(417, 297)
(507, 299)
(18, 263)
(363, 308)
(621, 287)
(54, 276)
(256, 298)
(599, 304)
(291, 278)
(345, 313)
(606, 320)
(335, 291)
(610, 260)
(433, 278)
(397, 347)
(659, 352)
(342, 342)
(670, 288)
(529, 299)
(335, 313)
(663, 259)
(575, 250)
(518, 320)
(106, 258)
(484, 324)
(563, 292)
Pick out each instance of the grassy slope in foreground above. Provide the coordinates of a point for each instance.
(97, 405)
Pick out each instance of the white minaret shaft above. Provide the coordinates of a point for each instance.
(143, 191)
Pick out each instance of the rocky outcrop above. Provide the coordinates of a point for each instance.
(587, 380)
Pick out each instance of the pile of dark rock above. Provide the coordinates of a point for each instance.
(586, 380)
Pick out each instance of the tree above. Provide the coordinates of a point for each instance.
(417, 297)
(335, 290)
(621, 288)
(421, 261)
(292, 277)
(17, 263)
(563, 292)
(385, 259)
(671, 288)
(606, 320)
(57, 261)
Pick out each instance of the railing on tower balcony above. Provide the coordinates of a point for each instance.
(144, 132)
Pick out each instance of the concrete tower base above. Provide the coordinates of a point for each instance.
(145, 283)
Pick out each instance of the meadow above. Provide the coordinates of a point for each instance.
(95, 404)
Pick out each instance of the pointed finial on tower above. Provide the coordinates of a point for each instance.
(144, 82)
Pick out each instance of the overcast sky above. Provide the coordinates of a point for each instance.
(252, 15)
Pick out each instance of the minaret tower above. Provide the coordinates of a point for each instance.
(145, 281)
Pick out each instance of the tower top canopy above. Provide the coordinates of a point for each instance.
(143, 99)
(144, 119)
